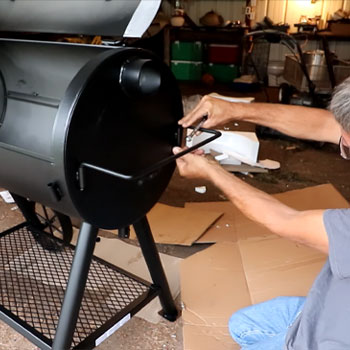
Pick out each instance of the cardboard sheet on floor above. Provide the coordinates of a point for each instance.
(275, 266)
(213, 285)
(256, 267)
(314, 197)
(130, 258)
(234, 225)
(224, 229)
(182, 226)
(231, 226)
(231, 275)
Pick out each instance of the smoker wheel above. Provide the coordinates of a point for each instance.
(55, 222)
(40, 218)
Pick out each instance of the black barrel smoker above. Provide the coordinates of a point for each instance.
(88, 131)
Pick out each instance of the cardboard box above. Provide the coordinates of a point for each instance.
(233, 225)
(341, 28)
(173, 225)
(213, 285)
(250, 265)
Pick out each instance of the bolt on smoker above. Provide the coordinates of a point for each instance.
(87, 131)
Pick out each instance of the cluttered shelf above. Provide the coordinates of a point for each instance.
(207, 54)
(205, 35)
(330, 36)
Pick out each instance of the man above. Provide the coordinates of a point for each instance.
(322, 320)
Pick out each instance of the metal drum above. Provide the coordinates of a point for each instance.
(69, 111)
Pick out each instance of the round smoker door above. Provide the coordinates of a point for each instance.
(124, 120)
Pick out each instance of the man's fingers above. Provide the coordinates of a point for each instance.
(177, 150)
(193, 117)
(198, 152)
(196, 114)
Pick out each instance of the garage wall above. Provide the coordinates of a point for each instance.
(229, 9)
(280, 11)
(289, 11)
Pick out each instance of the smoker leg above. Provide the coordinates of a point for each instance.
(75, 287)
(150, 253)
(28, 210)
(124, 232)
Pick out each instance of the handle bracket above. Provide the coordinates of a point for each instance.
(149, 171)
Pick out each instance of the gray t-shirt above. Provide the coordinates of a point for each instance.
(324, 323)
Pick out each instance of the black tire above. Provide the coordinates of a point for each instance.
(54, 221)
(40, 218)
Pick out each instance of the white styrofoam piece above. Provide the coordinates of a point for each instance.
(200, 189)
(241, 145)
(230, 161)
(221, 157)
(232, 99)
(6, 196)
(269, 164)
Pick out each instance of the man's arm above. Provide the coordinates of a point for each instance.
(301, 226)
(297, 121)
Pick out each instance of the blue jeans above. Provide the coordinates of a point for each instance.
(264, 326)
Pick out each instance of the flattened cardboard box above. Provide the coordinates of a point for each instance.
(256, 267)
(172, 225)
(233, 225)
(213, 285)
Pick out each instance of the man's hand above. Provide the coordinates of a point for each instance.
(193, 165)
(218, 111)
(301, 226)
(296, 121)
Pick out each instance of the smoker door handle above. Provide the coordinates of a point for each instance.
(3, 98)
(148, 171)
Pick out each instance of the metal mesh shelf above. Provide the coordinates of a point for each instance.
(33, 281)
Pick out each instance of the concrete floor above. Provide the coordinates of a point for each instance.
(137, 334)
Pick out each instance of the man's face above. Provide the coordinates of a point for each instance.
(344, 144)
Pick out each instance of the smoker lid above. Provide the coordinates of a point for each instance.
(127, 18)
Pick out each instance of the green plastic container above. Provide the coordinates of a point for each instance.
(223, 73)
(186, 51)
(187, 70)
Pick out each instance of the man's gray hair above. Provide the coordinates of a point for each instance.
(340, 104)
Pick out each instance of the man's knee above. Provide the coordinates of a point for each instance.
(241, 325)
